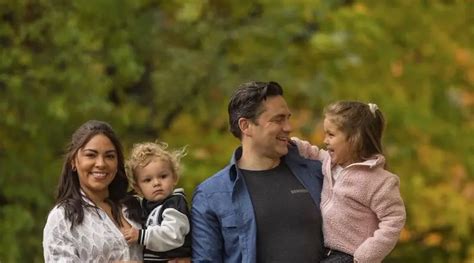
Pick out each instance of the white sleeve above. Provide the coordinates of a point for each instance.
(58, 245)
(170, 234)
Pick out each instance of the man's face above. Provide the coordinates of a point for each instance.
(269, 134)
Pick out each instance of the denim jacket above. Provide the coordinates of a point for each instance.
(222, 216)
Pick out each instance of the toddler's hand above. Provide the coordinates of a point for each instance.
(130, 234)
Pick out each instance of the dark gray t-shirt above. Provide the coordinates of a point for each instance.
(288, 221)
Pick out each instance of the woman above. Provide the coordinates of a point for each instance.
(85, 223)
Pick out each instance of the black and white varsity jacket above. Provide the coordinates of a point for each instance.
(166, 228)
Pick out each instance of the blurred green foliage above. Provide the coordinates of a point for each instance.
(165, 70)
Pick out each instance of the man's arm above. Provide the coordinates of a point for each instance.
(207, 244)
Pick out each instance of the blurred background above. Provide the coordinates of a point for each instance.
(165, 70)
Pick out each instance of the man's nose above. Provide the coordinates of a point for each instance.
(287, 126)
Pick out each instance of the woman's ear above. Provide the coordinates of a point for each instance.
(137, 189)
(73, 165)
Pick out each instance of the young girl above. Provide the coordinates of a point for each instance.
(363, 212)
(163, 211)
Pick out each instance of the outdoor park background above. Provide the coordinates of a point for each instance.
(165, 70)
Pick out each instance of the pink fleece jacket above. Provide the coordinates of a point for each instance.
(363, 212)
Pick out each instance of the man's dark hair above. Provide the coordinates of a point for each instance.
(247, 100)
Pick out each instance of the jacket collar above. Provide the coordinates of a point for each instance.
(148, 205)
(233, 163)
(293, 156)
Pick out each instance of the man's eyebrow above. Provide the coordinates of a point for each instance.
(282, 115)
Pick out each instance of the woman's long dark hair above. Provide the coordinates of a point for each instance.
(69, 190)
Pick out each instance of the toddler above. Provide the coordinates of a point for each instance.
(363, 212)
(153, 173)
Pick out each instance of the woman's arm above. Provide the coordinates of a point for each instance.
(58, 245)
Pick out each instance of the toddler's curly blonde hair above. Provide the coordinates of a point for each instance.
(143, 153)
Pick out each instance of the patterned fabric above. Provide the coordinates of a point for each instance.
(97, 239)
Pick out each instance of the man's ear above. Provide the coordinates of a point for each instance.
(245, 127)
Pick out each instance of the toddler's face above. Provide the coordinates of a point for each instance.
(337, 144)
(156, 180)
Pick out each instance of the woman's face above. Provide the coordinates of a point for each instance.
(96, 165)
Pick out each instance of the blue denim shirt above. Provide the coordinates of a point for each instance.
(222, 216)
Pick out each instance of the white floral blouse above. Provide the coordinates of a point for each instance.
(97, 239)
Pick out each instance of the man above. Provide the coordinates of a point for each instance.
(264, 206)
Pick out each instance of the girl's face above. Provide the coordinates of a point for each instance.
(96, 165)
(337, 144)
(156, 180)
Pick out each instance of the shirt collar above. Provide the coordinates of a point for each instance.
(233, 172)
(86, 199)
